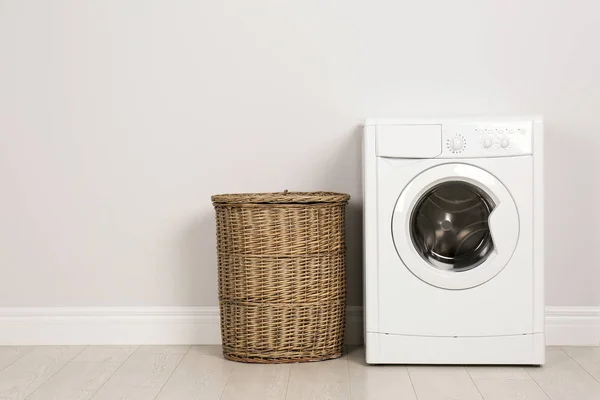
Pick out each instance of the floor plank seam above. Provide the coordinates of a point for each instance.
(537, 383)
(581, 366)
(287, 386)
(54, 374)
(349, 377)
(114, 372)
(474, 383)
(18, 358)
(226, 382)
(172, 372)
(411, 383)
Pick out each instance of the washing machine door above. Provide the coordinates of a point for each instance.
(455, 226)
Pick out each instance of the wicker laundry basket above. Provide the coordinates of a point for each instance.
(282, 275)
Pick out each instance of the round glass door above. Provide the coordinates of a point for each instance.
(449, 226)
(455, 226)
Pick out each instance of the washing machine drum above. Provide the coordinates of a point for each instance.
(449, 226)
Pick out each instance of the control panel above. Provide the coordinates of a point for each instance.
(464, 140)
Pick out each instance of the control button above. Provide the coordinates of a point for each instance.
(504, 143)
(500, 131)
(487, 143)
(457, 144)
(511, 131)
(522, 131)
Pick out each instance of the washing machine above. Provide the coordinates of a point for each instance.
(453, 241)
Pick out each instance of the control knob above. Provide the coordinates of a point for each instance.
(504, 143)
(457, 144)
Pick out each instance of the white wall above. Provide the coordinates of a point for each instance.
(119, 119)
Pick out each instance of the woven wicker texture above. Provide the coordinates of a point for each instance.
(280, 198)
(282, 276)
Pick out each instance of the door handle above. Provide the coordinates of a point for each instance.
(502, 222)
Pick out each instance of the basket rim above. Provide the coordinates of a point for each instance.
(284, 197)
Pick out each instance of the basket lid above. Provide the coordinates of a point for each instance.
(284, 197)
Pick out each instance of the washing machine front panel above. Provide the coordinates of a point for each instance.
(407, 318)
(455, 226)
(406, 303)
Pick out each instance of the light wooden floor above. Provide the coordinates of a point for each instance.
(199, 372)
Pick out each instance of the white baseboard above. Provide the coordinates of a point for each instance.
(565, 326)
(109, 325)
(573, 326)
